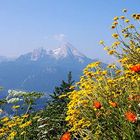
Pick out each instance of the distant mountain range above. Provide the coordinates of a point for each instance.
(4, 59)
(42, 70)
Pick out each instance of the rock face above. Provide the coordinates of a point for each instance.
(42, 70)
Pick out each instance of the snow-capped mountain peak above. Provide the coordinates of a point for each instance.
(66, 50)
(38, 53)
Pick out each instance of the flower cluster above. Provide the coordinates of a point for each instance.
(17, 125)
(105, 102)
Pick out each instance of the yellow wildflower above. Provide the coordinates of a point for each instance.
(111, 52)
(25, 116)
(2, 134)
(131, 26)
(25, 124)
(115, 18)
(118, 71)
(115, 23)
(116, 43)
(5, 119)
(137, 16)
(111, 66)
(101, 42)
(72, 87)
(115, 35)
(125, 35)
(1, 130)
(127, 20)
(12, 135)
(106, 48)
(122, 17)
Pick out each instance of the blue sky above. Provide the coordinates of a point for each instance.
(29, 24)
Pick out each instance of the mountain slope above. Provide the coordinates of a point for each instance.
(42, 70)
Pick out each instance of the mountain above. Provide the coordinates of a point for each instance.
(65, 53)
(42, 70)
(6, 59)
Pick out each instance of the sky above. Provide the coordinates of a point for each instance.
(29, 24)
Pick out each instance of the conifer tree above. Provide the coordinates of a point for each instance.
(55, 111)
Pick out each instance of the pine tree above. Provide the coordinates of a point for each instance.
(55, 111)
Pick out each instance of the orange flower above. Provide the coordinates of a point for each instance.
(131, 117)
(113, 104)
(97, 104)
(66, 136)
(135, 68)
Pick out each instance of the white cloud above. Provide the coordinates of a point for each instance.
(60, 37)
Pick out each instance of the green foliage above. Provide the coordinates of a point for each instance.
(26, 100)
(55, 112)
(27, 124)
